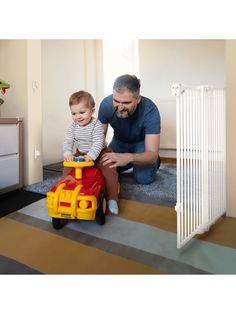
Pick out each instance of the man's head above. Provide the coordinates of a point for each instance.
(126, 95)
(82, 107)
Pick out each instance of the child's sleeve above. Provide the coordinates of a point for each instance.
(98, 140)
(68, 142)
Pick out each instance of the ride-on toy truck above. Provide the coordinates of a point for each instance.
(78, 195)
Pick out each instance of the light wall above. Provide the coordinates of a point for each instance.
(190, 62)
(119, 57)
(67, 66)
(20, 65)
(231, 127)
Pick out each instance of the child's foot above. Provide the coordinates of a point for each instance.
(113, 207)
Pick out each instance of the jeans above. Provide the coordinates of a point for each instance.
(145, 174)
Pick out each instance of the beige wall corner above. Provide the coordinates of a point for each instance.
(231, 126)
(34, 101)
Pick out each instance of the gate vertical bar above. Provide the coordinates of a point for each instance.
(179, 157)
(204, 107)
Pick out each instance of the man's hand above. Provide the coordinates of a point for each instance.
(116, 159)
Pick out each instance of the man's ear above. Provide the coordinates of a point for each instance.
(138, 99)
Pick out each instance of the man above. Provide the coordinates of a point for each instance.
(136, 123)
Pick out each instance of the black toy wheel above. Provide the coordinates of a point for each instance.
(100, 213)
(58, 223)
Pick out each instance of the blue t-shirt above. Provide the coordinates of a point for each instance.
(145, 120)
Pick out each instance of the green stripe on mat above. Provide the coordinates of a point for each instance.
(52, 254)
(202, 255)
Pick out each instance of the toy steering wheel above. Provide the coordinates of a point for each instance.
(78, 164)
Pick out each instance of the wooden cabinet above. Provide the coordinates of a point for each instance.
(11, 154)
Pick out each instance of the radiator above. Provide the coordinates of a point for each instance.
(201, 159)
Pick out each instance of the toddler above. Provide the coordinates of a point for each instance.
(87, 133)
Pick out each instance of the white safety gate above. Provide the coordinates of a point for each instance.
(201, 158)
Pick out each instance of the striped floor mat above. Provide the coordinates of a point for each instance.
(141, 240)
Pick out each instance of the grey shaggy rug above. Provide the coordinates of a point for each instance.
(162, 191)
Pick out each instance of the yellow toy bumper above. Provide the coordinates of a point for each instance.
(69, 204)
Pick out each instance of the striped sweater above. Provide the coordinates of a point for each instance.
(89, 139)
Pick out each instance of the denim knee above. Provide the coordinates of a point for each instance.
(144, 176)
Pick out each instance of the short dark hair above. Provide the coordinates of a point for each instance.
(80, 96)
(126, 81)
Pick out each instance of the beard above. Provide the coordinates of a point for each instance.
(125, 113)
(122, 114)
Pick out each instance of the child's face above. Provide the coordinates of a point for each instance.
(81, 113)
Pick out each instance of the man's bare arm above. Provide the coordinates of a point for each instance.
(152, 143)
(105, 127)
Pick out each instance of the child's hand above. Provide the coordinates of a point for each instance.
(86, 157)
(69, 158)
